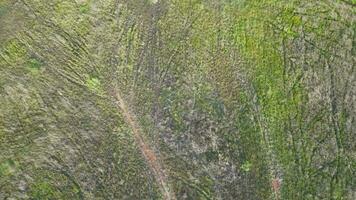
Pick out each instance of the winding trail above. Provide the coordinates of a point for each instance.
(148, 153)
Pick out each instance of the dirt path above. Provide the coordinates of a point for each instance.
(148, 153)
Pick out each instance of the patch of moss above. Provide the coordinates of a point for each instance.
(246, 167)
(83, 27)
(211, 155)
(7, 167)
(84, 8)
(15, 50)
(3, 8)
(64, 7)
(33, 65)
(94, 84)
(52, 185)
(44, 190)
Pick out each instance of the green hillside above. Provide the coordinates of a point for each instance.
(177, 99)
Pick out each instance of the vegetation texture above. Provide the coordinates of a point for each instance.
(178, 99)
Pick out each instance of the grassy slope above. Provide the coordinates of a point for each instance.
(58, 140)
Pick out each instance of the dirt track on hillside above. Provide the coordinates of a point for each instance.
(149, 154)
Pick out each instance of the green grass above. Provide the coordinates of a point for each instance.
(43, 190)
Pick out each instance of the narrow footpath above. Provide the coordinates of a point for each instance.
(148, 153)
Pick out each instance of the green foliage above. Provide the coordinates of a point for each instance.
(84, 8)
(246, 167)
(93, 84)
(34, 65)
